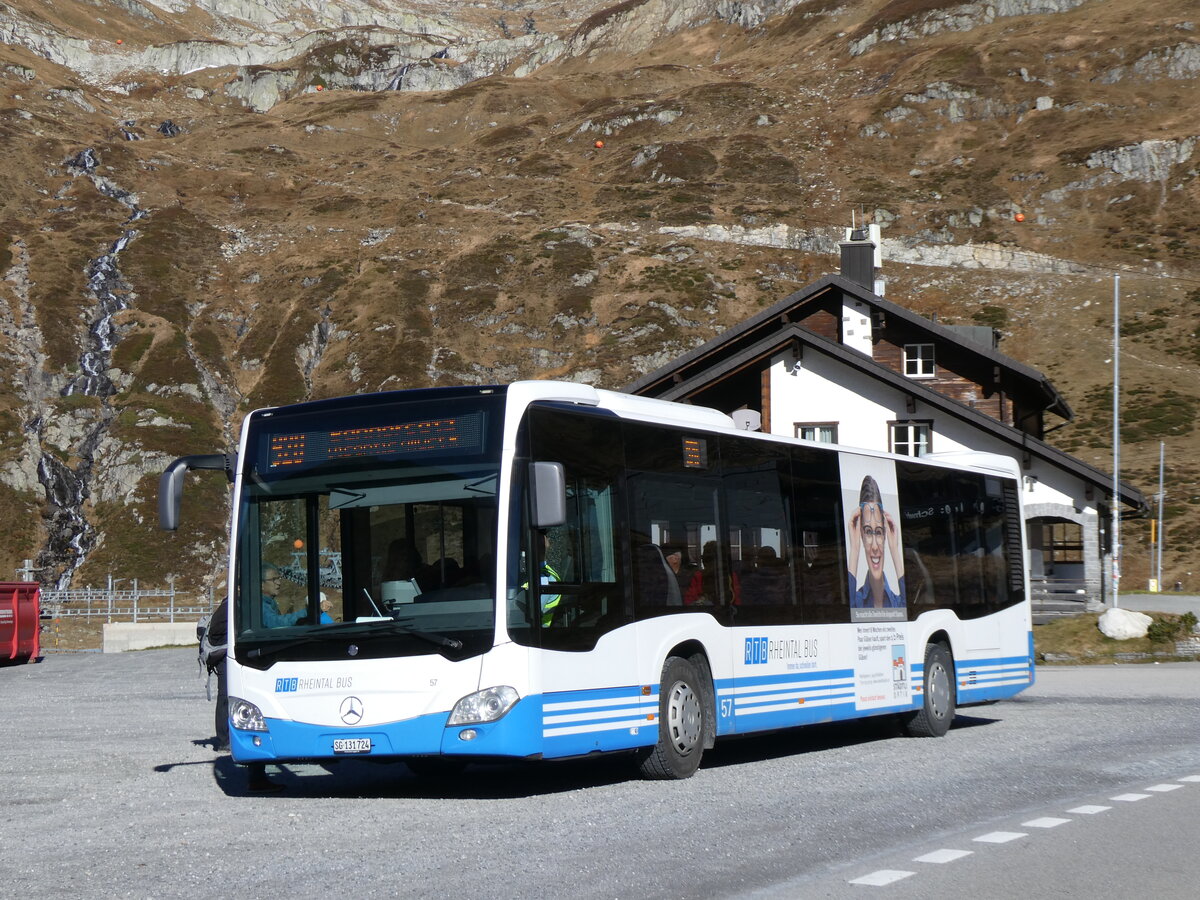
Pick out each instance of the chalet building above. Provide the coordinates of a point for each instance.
(836, 362)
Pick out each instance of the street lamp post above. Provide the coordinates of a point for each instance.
(1162, 452)
(1116, 494)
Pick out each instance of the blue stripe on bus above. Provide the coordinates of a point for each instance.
(579, 722)
(769, 702)
(1032, 657)
(813, 675)
(994, 678)
(992, 661)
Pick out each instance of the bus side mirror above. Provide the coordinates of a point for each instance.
(170, 485)
(548, 494)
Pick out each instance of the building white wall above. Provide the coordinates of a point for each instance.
(856, 327)
(821, 389)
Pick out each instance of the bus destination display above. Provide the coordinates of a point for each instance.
(448, 434)
(695, 453)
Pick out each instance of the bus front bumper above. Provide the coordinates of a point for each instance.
(517, 734)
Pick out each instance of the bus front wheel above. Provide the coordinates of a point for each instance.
(682, 712)
(937, 702)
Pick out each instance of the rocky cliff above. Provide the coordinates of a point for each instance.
(213, 205)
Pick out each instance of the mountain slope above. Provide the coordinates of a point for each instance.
(207, 217)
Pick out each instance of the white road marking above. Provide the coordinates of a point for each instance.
(943, 856)
(1000, 837)
(1045, 822)
(882, 877)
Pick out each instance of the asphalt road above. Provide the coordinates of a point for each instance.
(108, 788)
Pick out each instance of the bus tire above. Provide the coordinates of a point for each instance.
(682, 720)
(938, 697)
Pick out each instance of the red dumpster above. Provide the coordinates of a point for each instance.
(20, 608)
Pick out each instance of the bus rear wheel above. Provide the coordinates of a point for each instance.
(937, 702)
(682, 715)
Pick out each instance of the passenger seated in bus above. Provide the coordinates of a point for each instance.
(767, 582)
(705, 588)
(655, 579)
(271, 614)
(444, 573)
(398, 581)
(403, 561)
(675, 554)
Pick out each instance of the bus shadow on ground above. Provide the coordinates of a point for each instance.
(763, 746)
(510, 780)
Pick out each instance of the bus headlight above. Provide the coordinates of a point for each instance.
(245, 716)
(487, 705)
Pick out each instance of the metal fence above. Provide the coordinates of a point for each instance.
(136, 605)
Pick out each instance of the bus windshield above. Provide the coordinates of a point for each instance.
(369, 532)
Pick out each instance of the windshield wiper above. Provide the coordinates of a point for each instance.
(439, 640)
(374, 629)
(314, 637)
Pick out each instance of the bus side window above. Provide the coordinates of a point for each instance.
(689, 505)
(755, 476)
(820, 541)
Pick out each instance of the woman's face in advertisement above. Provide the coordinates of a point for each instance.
(874, 537)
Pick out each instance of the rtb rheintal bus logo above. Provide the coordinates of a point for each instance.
(756, 651)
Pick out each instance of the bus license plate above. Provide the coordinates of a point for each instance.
(351, 745)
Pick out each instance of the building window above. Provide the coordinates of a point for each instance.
(1062, 542)
(911, 438)
(918, 360)
(824, 432)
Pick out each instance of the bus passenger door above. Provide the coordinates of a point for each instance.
(589, 678)
(779, 660)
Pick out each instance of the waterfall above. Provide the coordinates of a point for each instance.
(70, 536)
(106, 286)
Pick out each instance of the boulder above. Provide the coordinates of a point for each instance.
(1124, 624)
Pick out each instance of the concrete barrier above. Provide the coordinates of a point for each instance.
(122, 636)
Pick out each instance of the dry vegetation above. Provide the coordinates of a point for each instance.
(1078, 640)
(348, 242)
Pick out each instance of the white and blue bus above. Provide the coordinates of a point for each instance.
(547, 570)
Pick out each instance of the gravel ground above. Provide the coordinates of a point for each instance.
(110, 789)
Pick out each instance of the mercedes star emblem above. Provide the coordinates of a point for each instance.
(352, 710)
